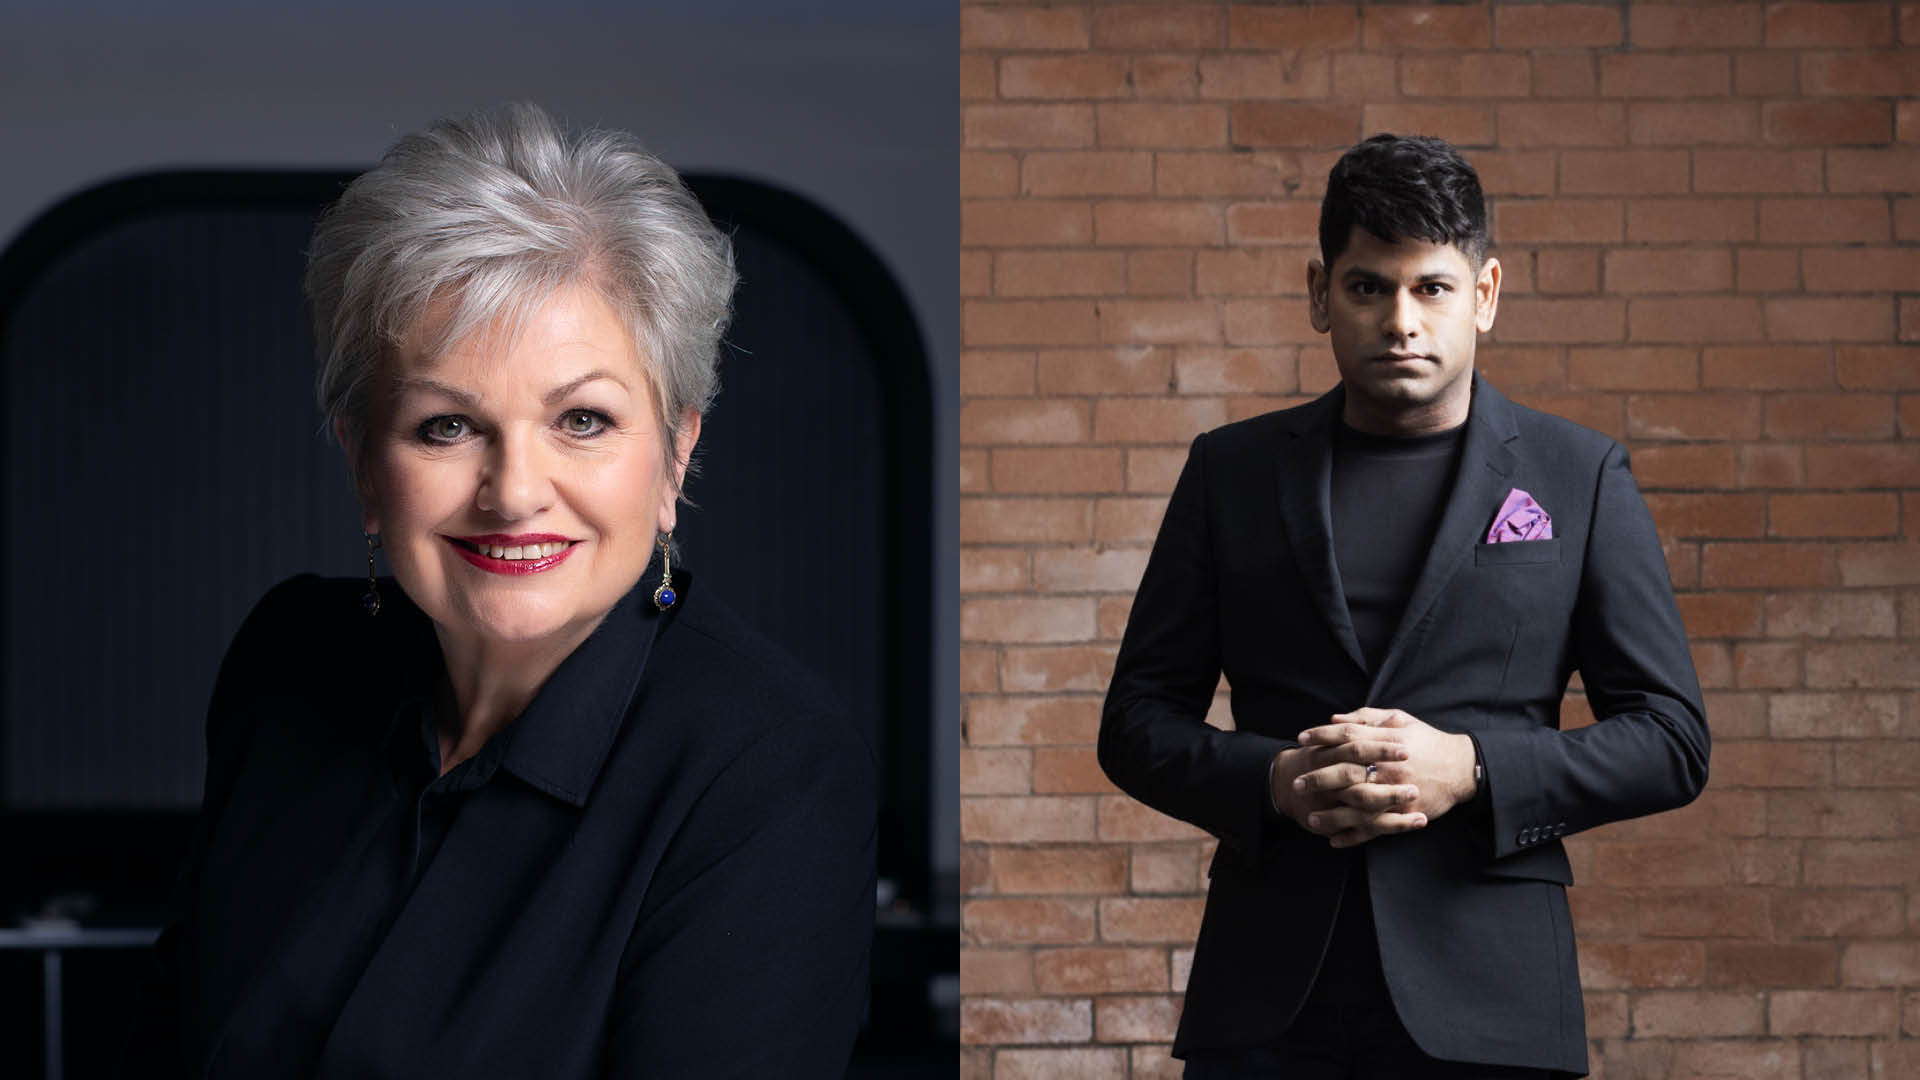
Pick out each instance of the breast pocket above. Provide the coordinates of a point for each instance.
(1517, 553)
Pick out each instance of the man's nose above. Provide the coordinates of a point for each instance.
(1401, 318)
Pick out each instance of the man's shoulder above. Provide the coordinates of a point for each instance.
(1259, 434)
(1562, 438)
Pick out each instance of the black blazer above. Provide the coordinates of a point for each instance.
(666, 869)
(1471, 911)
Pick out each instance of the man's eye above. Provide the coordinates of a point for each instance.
(583, 422)
(1365, 288)
(443, 429)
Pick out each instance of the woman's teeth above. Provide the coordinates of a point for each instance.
(529, 551)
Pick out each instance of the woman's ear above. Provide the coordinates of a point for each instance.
(683, 445)
(352, 444)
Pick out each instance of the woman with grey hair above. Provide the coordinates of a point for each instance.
(534, 806)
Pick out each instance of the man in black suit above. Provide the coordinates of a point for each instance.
(1397, 581)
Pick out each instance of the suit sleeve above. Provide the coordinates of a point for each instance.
(749, 958)
(1155, 743)
(1647, 752)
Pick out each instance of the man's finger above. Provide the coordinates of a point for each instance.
(1378, 797)
(1377, 825)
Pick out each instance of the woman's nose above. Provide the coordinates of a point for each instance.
(517, 482)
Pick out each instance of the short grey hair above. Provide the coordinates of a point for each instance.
(489, 214)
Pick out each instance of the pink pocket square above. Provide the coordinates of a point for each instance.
(1520, 518)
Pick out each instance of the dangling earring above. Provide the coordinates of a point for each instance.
(371, 601)
(664, 597)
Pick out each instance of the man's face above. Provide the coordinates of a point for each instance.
(1402, 319)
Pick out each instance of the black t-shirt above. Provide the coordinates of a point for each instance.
(1387, 496)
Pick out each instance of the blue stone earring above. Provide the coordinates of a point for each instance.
(371, 601)
(664, 597)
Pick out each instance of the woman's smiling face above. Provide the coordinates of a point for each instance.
(518, 484)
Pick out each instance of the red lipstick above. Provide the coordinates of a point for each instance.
(473, 549)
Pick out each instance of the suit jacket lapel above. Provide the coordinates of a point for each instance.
(1306, 476)
(1480, 483)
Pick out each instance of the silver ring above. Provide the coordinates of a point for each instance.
(1371, 769)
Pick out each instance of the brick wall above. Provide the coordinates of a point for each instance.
(1712, 251)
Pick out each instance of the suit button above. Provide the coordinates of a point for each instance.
(1522, 839)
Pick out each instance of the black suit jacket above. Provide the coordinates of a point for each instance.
(1471, 911)
(667, 872)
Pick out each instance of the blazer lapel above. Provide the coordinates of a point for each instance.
(1480, 482)
(1306, 476)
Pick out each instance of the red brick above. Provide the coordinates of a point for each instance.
(977, 80)
(1771, 965)
(996, 971)
(1023, 421)
(1520, 26)
(1151, 126)
(1859, 74)
(1086, 570)
(1158, 26)
(1515, 172)
(1054, 869)
(1682, 221)
(993, 570)
(1147, 920)
(1426, 27)
(1124, 520)
(988, 175)
(1294, 223)
(1068, 771)
(1824, 221)
(1890, 169)
(976, 273)
(1252, 76)
(1160, 273)
(1836, 913)
(1362, 76)
(1461, 125)
(1022, 28)
(1239, 173)
(1624, 172)
(1820, 319)
(1692, 123)
(1768, 665)
(1767, 270)
(1668, 270)
(1264, 124)
(1746, 172)
(1161, 76)
(1720, 26)
(1767, 367)
(1884, 564)
(1164, 869)
(1155, 470)
(977, 671)
(1866, 665)
(1471, 75)
(1025, 1020)
(1772, 564)
(1702, 913)
(1558, 221)
(1292, 28)
(1834, 416)
(1684, 466)
(1689, 1014)
(1909, 318)
(973, 471)
(1829, 813)
(1031, 620)
(1522, 368)
(1138, 369)
(1042, 670)
(1829, 24)
(1564, 75)
(1082, 76)
(1695, 516)
(1765, 860)
(1826, 123)
(1878, 367)
(1714, 615)
(1234, 371)
(1830, 614)
(1026, 922)
(1124, 820)
(989, 126)
(1702, 320)
(1858, 269)
(1099, 970)
(1765, 74)
(1864, 466)
(1601, 412)
(1028, 322)
(1136, 1019)
(1665, 76)
(1561, 271)
(1059, 273)
(1881, 963)
(1663, 863)
(996, 771)
(1047, 472)
(1024, 223)
(1712, 661)
(1263, 322)
(1832, 1012)
(1636, 965)
(1067, 1063)
(1862, 862)
(1158, 224)
(1149, 420)
(1878, 765)
(1561, 321)
(1069, 173)
(1561, 124)
(1253, 271)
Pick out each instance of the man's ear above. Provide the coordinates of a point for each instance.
(1318, 285)
(1486, 295)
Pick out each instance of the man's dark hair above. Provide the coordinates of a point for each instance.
(1401, 187)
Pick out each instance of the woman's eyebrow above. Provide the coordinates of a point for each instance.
(417, 383)
(557, 393)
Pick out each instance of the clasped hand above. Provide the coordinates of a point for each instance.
(1372, 772)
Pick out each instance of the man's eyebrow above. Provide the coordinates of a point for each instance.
(1356, 273)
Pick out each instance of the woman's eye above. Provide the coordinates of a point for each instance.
(443, 429)
(583, 422)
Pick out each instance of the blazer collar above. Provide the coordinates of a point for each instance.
(1306, 476)
(560, 742)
